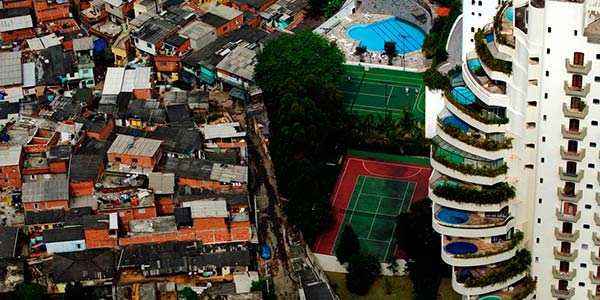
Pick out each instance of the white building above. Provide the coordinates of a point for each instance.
(523, 111)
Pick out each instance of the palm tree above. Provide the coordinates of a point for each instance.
(390, 50)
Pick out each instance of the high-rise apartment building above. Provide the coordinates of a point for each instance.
(516, 158)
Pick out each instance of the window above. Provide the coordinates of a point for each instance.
(577, 81)
(543, 139)
(163, 63)
(547, 50)
(578, 58)
(78, 246)
(597, 56)
(532, 103)
(545, 117)
(542, 160)
(575, 32)
(537, 240)
(479, 3)
(571, 167)
(567, 227)
(589, 186)
(224, 28)
(540, 200)
(569, 209)
(594, 123)
(596, 101)
(36, 205)
(529, 166)
(582, 284)
(591, 166)
(564, 266)
(545, 95)
(593, 144)
(573, 125)
(541, 180)
(586, 226)
(569, 189)
(575, 103)
(572, 146)
(565, 247)
(149, 45)
(134, 160)
(547, 73)
(587, 206)
(117, 159)
(539, 220)
(549, 29)
(472, 29)
(530, 146)
(142, 210)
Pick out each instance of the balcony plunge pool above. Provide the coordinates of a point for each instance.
(451, 216)
(459, 248)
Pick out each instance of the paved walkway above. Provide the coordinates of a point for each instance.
(454, 48)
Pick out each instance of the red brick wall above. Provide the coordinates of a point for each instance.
(165, 206)
(99, 238)
(10, 176)
(43, 205)
(81, 188)
(58, 167)
(208, 184)
(142, 161)
(106, 131)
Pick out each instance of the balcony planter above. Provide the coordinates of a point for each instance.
(487, 58)
(596, 239)
(481, 143)
(566, 217)
(578, 69)
(566, 237)
(597, 219)
(499, 193)
(595, 258)
(568, 294)
(562, 196)
(563, 275)
(469, 169)
(593, 296)
(516, 240)
(579, 114)
(483, 118)
(577, 156)
(574, 135)
(565, 256)
(516, 266)
(594, 279)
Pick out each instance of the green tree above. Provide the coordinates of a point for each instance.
(390, 50)
(187, 294)
(363, 269)
(425, 266)
(75, 291)
(29, 291)
(360, 51)
(296, 56)
(348, 245)
(266, 287)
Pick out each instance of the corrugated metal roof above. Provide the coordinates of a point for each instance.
(12, 69)
(162, 183)
(113, 81)
(229, 173)
(46, 190)
(15, 22)
(10, 156)
(128, 81)
(125, 144)
(29, 74)
(224, 130)
(82, 44)
(208, 209)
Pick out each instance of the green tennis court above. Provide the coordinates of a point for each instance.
(382, 91)
(372, 212)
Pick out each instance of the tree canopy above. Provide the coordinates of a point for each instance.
(348, 245)
(188, 294)
(75, 291)
(296, 56)
(267, 289)
(363, 269)
(29, 291)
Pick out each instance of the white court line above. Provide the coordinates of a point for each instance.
(403, 198)
(374, 195)
(373, 221)
(388, 163)
(400, 84)
(387, 103)
(387, 249)
(357, 199)
(387, 176)
(373, 240)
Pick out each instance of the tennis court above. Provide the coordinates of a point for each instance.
(372, 212)
(370, 193)
(381, 91)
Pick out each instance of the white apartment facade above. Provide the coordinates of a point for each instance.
(524, 113)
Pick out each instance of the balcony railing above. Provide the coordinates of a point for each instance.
(562, 294)
(577, 91)
(596, 239)
(595, 258)
(594, 279)
(593, 296)
(597, 219)
(467, 164)
(557, 274)
(567, 217)
(575, 113)
(569, 197)
(576, 177)
(574, 134)
(565, 256)
(566, 155)
(578, 69)
(566, 237)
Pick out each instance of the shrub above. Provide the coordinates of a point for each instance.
(469, 169)
(528, 288)
(479, 116)
(487, 58)
(517, 265)
(499, 193)
(485, 143)
(501, 37)
(436, 80)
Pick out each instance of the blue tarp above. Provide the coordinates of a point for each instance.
(100, 45)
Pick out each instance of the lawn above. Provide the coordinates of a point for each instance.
(401, 288)
(445, 290)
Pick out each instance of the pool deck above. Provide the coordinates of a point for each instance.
(414, 60)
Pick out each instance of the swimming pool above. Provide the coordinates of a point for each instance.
(461, 248)
(407, 36)
(474, 64)
(452, 216)
(493, 297)
(445, 182)
(463, 95)
(452, 120)
(509, 14)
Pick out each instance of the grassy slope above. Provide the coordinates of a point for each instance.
(401, 288)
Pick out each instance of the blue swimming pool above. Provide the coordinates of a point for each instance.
(407, 36)
(463, 95)
(493, 297)
(474, 64)
(456, 122)
(461, 248)
(489, 37)
(444, 182)
(452, 216)
(509, 15)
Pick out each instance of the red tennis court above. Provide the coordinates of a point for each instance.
(368, 195)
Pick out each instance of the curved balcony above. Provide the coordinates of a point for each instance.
(487, 252)
(574, 91)
(490, 92)
(594, 279)
(593, 296)
(595, 258)
(597, 219)
(562, 294)
(474, 142)
(557, 274)
(568, 217)
(577, 156)
(575, 113)
(578, 69)
(462, 289)
(476, 117)
(574, 134)
(596, 239)
(441, 200)
(570, 257)
(566, 237)
(475, 225)
(464, 166)
(469, 196)
(522, 290)
(573, 197)
(575, 177)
